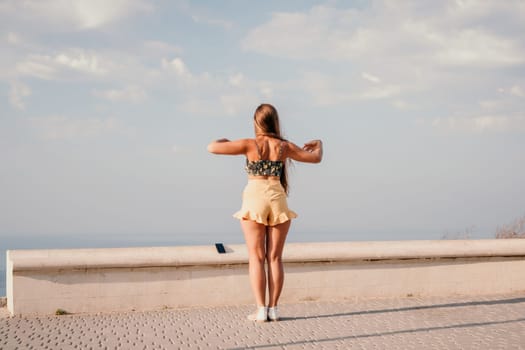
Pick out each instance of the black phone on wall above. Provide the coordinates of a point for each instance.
(220, 248)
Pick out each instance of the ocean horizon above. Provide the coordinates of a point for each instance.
(41, 241)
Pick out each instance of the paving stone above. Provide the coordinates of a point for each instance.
(488, 322)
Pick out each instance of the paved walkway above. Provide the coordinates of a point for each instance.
(489, 322)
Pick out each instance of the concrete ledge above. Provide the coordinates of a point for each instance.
(60, 259)
(69, 259)
(93, 280)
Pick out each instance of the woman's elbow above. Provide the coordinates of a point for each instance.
(312, 159)
(318, 158)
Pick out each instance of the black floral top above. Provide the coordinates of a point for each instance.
(264, 167)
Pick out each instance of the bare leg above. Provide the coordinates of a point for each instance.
(255, 236)
(274, 252)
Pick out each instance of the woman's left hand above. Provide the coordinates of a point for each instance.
(312, 145)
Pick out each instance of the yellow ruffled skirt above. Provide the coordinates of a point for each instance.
(264, 201)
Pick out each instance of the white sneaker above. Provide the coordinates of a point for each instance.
(260, 316)
(273, 314)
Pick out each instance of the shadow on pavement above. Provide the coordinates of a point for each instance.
(413, 308)
(401, 331)
(376, 334)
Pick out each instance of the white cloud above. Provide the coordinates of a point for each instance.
(490, 104)
(96, 13)
(187, 81)
(266, 91)
(472, 10)
(175, 149)
(402, 33)
(441, 51)
(505, 101)
(203, 94)
(80, 61)
(132, 93)
(17, 93)
(212, 21)
(402, 105)
(7, 6)
(370, 77)
(178, 66)
(64, 128)
(63, 64)
(476, 48)
(124, 67)
(326, 90)
(161, 47)
(321, 33)
(517, 90)
(216, 102)
(34, 67)
(234, 103)
(481, 124)
(81, 14)
(12, 38)
(236, 80)
(379, 92)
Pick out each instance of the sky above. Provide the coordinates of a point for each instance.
(107, 108)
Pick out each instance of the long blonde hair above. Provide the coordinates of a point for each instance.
(266, 122)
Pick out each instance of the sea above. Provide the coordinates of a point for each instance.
(41, 241)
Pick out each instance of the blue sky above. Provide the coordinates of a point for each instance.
(107, 108)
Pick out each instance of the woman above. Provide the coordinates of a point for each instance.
(265, 217)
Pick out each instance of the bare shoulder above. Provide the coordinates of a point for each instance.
(289, 146)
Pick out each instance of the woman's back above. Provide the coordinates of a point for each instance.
(267, 158)
(267, 148)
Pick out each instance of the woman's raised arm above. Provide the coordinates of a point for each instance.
(312, 152)
(225, 146)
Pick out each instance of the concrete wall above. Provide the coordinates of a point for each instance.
(96, 280)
